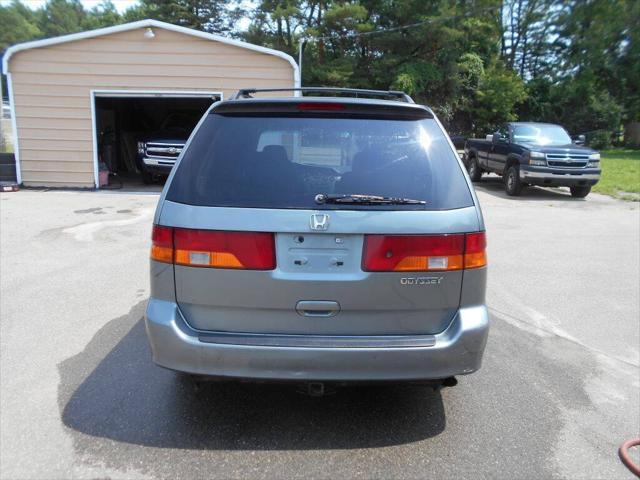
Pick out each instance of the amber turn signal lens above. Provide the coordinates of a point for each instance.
(475, 260)
(429, 263)
(207, 259)
(162, 254)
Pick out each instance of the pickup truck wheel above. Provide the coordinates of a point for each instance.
(475, 172)
(580, 192)
(512, 183)
(147, 177)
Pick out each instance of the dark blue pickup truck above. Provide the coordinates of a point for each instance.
(527, 153)
(158, 152)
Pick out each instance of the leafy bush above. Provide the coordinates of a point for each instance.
(599, 140)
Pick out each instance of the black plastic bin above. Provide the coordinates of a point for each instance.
(7, 168)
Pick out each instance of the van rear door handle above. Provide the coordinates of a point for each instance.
(317, 308)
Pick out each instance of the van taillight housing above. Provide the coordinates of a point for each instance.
(214, 249)
(162, 244)
(424, 253)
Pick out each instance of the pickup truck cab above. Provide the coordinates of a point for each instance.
(528, 153)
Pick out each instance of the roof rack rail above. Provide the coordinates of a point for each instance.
(355, 92)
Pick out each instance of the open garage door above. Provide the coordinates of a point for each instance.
(138, 136)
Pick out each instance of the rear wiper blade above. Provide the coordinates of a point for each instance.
(363, 199)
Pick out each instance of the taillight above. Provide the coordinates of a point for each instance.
(162, 244)
(475, 254)
(216, 249)
(205, 248)
(423, 253)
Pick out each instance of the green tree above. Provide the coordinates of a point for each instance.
(447, 57)
(590, 71)
(278, 23)
(61, 17)
(205, 15)
(498, 94)
(528, 27)
(104, 15)
(478, 63)
(17, 24)
(600, 45)
(135, 13)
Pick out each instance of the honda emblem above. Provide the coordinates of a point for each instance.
(319, 221)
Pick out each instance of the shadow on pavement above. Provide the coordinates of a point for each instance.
(132, 183)
(114, 391)
(493, 185)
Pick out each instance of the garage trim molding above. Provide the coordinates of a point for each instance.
(149, 23)
(14, 127)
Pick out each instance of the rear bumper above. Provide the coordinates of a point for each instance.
(456, 351)
(559, 177)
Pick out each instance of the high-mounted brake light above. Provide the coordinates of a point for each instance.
(423, 253)
(216, 249)
(320, 106)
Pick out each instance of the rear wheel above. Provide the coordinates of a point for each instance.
(512, 183)
(475, 172)
(580, 192)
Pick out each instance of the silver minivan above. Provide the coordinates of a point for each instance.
(319, 239)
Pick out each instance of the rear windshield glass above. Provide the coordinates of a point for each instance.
(284, 162)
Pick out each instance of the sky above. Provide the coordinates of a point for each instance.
(121, 5)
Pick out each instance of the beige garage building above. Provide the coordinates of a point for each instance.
(70, 93)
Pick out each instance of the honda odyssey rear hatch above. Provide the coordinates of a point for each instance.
(319, 216)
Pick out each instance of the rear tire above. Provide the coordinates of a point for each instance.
(512, 183)
(475, 172)
(580, 192)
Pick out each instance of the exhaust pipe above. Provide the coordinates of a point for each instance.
(315, 389)
(450, 382)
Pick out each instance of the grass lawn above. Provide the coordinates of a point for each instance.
(620, 174)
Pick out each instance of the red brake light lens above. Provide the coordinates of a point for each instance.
(321, 106)
(423, 253)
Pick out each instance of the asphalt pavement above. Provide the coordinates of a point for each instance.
(559, 390)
